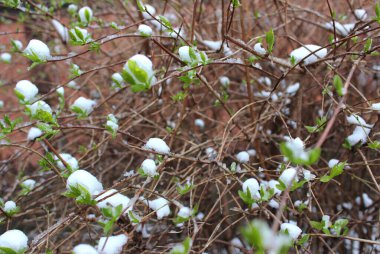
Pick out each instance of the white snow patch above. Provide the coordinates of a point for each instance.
(242, 157)
(149, 167)
(9, 206)
(84, 104)
(158, 145)
(82, 15)
(38, 48)
(361, 14)
(84, 249)
(34, 133)
(61, 30)
(112, 244)
(114, 199)
(14, 239)
(253, 187)
(200, 123)
(258, 48)
(86, 179)
(294, 230)
(288, 176)
(145, 30)
(302, 52)
(27, 89)
(69, 159)
(160, 205)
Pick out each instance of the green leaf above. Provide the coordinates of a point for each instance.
(5, 250)
(339, 225)
(166, 23)
(235, 3)
(138, 72)
(269, 38)
(368, 45)
(374, 145)
(338, 84)
(316, 225)
(377, 11)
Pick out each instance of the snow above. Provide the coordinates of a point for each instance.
(84, 249)
(114, 200)
(200, 123)
(149, 8)
(161, 206)
(265, 80)
(61, 30)
(39, 106)
(184, 212)
(297, 147)
(27, 89)
(114, 126)
(292, 89)
(308, 175)
(302, 52)
(145, 30)
(253, 187)
(273, 185)
(361, 14)
(84, 104)
(288, 176)
(376, 106)
(367, 201)
(40, 49)
(251, 152)
(72, 8)
(18, 44)
(9, 206)
(85, 34)
(211, 153)
(214, 45)
(258, 48)
(29, 183)
(72, 84)
(242, 157)
(6, 57)
(333, 162)
(34, 133)
(357, 120)
(274, 204)
(69, 159)
(112, 244)
(117, 77)
(14, 239)
(224, 81)
(82, 15)
(1, 104)
(60, 91)
(158, 145)
(87, 180)
(360, 134)
(143, 63)
(342, 30)
(184, 55)
(294, 230)
(235, 242)
(149, 167)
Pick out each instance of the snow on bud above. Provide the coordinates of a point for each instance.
(6, 57)
(192, 56)
(79, 36)
(84, 249)
(200, 123)
(15, 240)
(293, 230)
(252, 185)
(243, 157)
(160, 205)
(9, 206)
(26, 90)
(113, 198)
(342, 30)
(72, 8)
(258, 48)
(112, 244)
(69, 159)
(34, 133)
(61, 30)
(184, 212)
(361, 14)
(138, 71)
(37, 51)
(150, 10)
(40, 110)
(306, 50)
(17, 45)
(83, 106)
(224, 81)
(86, 180)
(214, 45)
(145, 30)
(29, 184)
(149, 167)
(288, 176)
(60, 91)
(333, 162)
(158, 145)
(85, 15)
